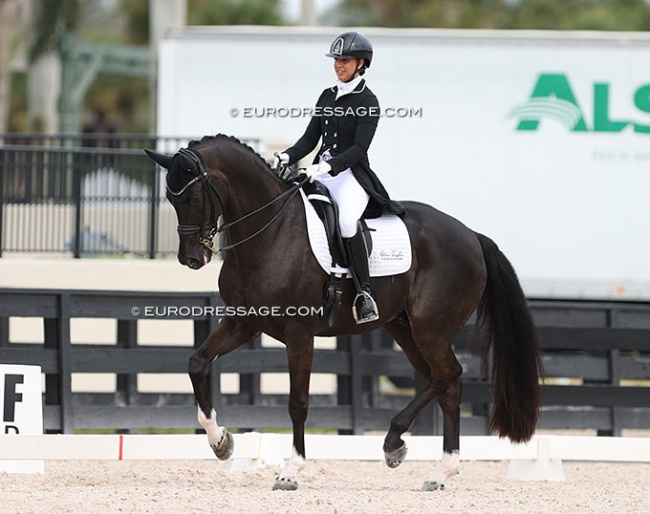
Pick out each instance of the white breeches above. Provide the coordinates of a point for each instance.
(350, 197)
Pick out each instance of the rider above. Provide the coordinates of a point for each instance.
(346, 118)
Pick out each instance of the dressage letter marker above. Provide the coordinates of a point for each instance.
(22, 412)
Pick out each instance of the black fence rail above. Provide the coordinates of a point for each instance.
(85, 194)
(597, 358)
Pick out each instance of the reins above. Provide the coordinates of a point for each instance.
(291, 192)
(210, 230)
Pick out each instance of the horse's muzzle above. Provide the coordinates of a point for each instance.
(195, 259)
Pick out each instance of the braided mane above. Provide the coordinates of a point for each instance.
(206, 140)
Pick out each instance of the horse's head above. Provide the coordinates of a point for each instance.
(197, 202)
(239, 185)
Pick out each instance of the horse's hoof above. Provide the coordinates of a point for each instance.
(395, 457)
(433, 486)
(224, 449)
(285, 484)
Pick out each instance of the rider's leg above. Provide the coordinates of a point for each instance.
(352, 200)
(365, 307)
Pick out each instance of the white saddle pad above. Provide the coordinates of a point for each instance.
(391, 247)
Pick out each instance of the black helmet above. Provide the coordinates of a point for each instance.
(351, 45)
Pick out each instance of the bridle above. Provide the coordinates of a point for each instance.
(210, 229)
(207, 230)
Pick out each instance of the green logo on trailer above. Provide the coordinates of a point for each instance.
(553, 98)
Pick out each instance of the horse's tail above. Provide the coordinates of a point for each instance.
(506, 326)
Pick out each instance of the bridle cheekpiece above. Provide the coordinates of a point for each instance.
(207, 230)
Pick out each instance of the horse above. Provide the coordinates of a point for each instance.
(455, 272)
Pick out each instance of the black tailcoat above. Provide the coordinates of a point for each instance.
(347, 126)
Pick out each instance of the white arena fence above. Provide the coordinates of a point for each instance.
(539, 459)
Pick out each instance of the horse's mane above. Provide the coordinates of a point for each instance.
(205, 140)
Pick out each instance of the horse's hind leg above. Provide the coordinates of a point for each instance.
(443, 381)
(394, 448)
(229, 335)
(449, 398)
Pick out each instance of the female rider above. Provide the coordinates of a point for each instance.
(345, 119)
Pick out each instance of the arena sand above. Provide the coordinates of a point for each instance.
(89, 487)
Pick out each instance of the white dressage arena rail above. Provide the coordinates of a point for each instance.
(539, 459)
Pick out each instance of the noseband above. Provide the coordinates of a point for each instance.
(208, 230)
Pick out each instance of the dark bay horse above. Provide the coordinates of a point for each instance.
(454, 272)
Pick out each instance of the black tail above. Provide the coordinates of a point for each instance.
(506, 326)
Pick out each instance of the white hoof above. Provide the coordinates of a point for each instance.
(448, 467)
(288, 479)
(285, 484)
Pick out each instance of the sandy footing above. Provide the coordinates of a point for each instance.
(88, 487)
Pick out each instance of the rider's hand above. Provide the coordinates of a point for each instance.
(316, 170)
(280, 161)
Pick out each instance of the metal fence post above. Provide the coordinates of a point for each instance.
(76, 195)
(153, 212)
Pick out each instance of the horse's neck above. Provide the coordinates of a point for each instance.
(249, 190)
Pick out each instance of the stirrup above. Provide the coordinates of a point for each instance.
(364, 296)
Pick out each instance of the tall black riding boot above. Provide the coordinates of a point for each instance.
(365, 308)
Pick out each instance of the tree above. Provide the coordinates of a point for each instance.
(204, 12)
(52, 20)
(423, 13)
(620, 15)
(235, 12)
(5, 72)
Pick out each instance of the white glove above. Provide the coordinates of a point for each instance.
(280, 160)
(316, 170)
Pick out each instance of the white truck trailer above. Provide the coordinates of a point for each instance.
(540, 140)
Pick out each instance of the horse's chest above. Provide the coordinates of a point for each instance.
(249, 288)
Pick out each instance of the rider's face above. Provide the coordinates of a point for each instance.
(345, 69)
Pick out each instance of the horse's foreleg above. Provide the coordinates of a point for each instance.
(300, 357)
(229, 335)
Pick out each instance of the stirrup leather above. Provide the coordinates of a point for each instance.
(364, 296)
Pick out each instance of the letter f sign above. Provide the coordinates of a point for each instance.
(11, 397)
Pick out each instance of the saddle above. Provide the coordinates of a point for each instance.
(328, 212)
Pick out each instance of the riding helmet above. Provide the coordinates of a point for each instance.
(351, 45)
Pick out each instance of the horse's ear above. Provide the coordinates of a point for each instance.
(164, 160)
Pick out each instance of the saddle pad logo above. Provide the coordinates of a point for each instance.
(391, 255)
